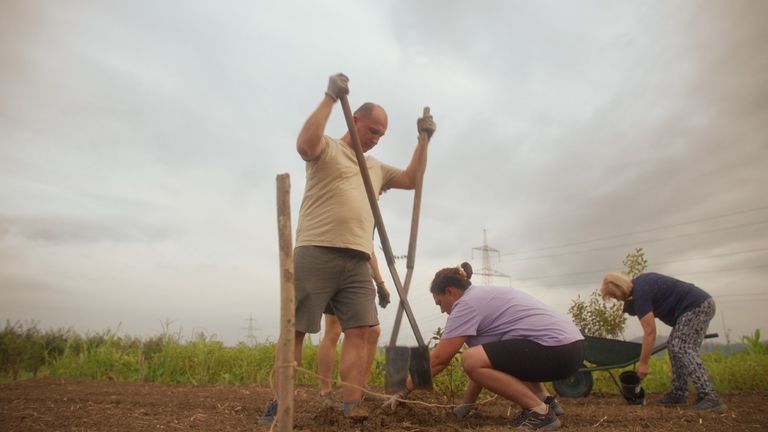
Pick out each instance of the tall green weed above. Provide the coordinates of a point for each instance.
(27, 351)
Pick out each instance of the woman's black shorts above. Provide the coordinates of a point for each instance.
(533, 362)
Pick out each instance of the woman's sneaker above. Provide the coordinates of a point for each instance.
(709, 403)
(672, 400)
(531, 420)
(554, 405)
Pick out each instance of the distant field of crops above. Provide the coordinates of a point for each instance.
(27, 351)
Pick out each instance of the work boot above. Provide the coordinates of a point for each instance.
(554, 405)
(270, 414)
(709, 403)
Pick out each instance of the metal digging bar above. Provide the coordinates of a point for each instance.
(413, 360)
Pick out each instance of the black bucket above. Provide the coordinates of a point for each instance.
(630, 388)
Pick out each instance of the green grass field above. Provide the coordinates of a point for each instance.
(27, 351)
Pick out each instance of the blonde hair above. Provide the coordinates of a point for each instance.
(617, 286)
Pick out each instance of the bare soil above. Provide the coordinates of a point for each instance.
(53, 404)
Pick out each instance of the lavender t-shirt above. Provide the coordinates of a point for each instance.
(489, 313)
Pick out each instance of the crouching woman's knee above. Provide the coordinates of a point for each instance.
(474, 359)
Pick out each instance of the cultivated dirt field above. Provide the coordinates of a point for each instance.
(52, 404)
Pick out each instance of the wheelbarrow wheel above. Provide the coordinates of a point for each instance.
(576, 386)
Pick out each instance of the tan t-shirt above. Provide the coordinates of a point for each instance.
(335, 210)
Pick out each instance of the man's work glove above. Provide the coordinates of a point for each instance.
(338, 86)
(383, 294)
(463, 409)
(427, 125)
(392, 403)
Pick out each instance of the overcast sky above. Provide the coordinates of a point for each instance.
(139, 144)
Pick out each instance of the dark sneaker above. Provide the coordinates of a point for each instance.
(554, 405)
(672, 400)
(270, 414)
(328, 400)
(532, 420)
(709, 403)
(520, 419)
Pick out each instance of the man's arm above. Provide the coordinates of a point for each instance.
(408, 178)
(309, 143)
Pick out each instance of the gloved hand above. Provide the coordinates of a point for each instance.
(383, 293)
(391, 404)
(427, 125)
(338, 86)
(463, 409)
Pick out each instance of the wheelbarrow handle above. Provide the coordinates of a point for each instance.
(378, 219)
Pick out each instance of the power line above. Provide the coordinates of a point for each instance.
(637, 232)
(682, 274)
(635, 243)
(659, 263)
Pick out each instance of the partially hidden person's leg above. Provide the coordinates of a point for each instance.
(326, 353)
(371, 346)
(538, 389)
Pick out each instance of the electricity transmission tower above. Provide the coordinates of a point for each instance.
(486, 271)
(250, 337)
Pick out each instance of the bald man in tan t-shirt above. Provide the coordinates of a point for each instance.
(334, 235)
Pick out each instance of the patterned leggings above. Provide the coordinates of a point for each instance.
(684, 345)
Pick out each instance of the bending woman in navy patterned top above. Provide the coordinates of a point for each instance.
(688, 310)
(515, 344)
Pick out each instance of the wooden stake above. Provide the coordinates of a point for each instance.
(285, 358)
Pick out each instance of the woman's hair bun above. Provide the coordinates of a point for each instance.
(467, 269)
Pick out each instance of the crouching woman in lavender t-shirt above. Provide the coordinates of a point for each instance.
(515, 344)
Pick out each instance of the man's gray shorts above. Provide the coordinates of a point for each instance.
(336, 276)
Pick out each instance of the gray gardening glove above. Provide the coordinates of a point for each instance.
(383, 293)
(463, 409)
(392, 403)
(338, 86)
(427, 125)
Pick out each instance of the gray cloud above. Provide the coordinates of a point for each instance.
(64, 230)
(139, 143)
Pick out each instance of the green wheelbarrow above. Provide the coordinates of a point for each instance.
(603, 355)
